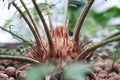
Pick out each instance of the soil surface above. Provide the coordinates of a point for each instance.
(12, 70)
(104, 69)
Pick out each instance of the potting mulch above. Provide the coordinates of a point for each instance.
(104, 69)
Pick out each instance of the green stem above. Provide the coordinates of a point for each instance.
(39, 43)
(49, 16)
(14, 34)
(51, 45)
(81, 20)
(116, 55)
(65, 12)
(32, 19)
(102, 43)
(19, 58)
(66, 24)
(118, 33)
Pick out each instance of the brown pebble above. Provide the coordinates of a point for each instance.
(112, 74)
(10, 71)
(1, 71)
(97, 69)
(99, 64)
(117, 65)
(111, 78)
(108, 69)
(2, 75)
(114, 78)
(2, 68)
(108, 65)
(11, 78)
(102, 74)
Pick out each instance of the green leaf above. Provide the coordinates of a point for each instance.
(9, 20)
(22, 48)
(38, 72)
(76, 71)
(104, 17)
(117, 53)
(74, 9)
(90, 25)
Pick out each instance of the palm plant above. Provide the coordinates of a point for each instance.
(59, 48)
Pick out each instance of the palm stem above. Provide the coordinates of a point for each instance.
(51, 45)
(102, 43)
(18, 58)
(65, 12)
(28, 22)
(49, 15)
(32, 19)
(39, 43)
(81, 20)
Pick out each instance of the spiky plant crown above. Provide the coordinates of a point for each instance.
(65, 48)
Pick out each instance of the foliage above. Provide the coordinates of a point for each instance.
(74, 9)
(103, 18)
(38, 72)
(20, 50)
(7, 51)
(95, 20)
(116, 55)
(76, 71)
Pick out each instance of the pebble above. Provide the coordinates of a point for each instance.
(97, 69)
(11, 78)
(2, 68)
(2, 75)
(114, 78)
(11, 71)
(112, 74)
(102, 74)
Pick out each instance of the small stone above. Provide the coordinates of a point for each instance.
(111, 78)
(2, 75)
(108, 65)
(114, 78)
(2, 68)
(112, 74)
(11, 78)
(1, 71)
(97, 69)
(4, 62)
(10, 71)
(108, 69)
(99, 64)
(102, 74)
(117, 65)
